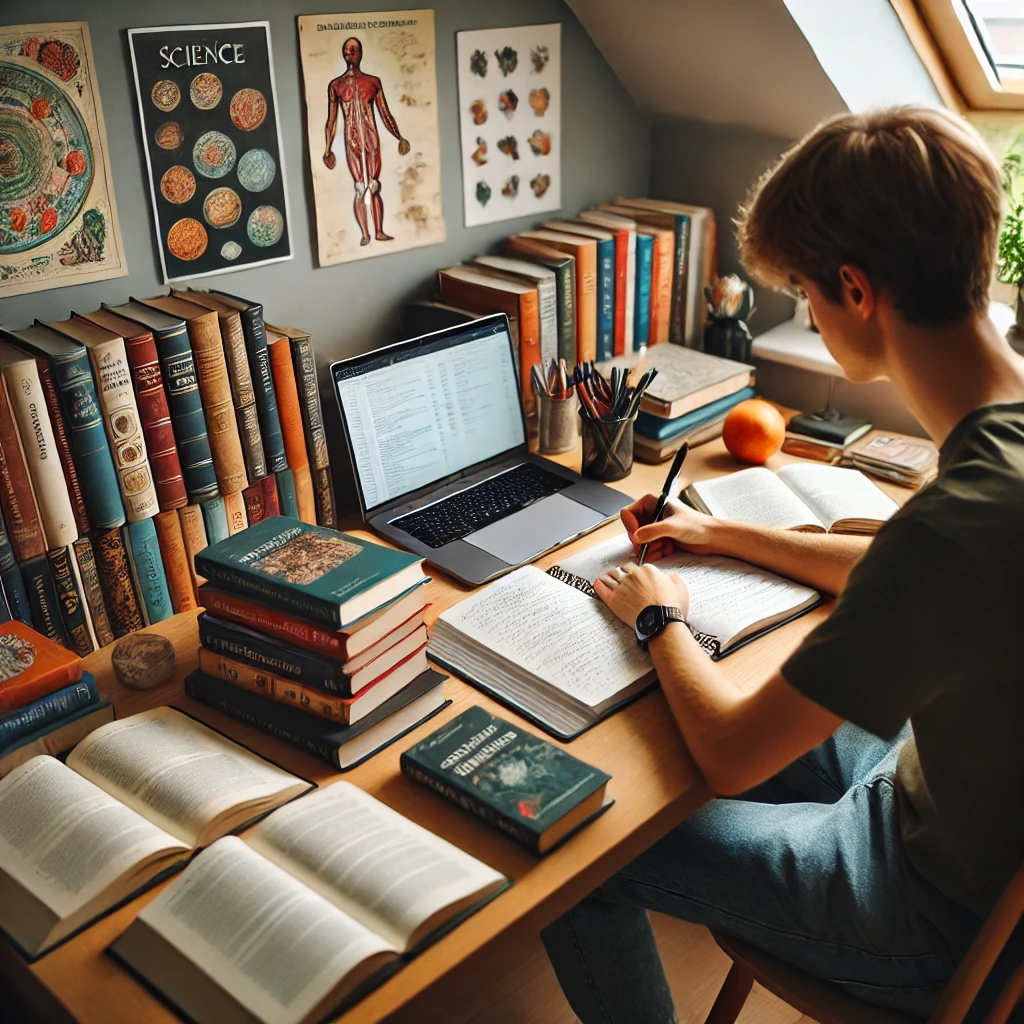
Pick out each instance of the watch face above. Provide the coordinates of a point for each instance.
(648, 619)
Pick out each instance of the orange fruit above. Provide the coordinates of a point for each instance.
(754, 430)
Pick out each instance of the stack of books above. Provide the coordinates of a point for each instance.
(47, 702)
(822, 436)
(315, 636)
(898, 458)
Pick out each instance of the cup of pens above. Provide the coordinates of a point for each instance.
(557, 423)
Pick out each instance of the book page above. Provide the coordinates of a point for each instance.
(178, 773)
(560, 635)
(834, 494)
(755, 496)
(373, 863)
(64, 839)
(273, 944)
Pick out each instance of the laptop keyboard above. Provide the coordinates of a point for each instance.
(460, 515)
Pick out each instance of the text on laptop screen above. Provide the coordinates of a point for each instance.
(427, 412)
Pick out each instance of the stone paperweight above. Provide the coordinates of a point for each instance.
(143, 660)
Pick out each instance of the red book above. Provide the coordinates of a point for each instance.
(33, 666)
(261, 500)
(271, 503)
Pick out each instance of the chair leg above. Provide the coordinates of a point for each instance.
(732, 996)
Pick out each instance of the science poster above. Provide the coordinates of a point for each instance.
(58, 221)
(510, 121)
(374, 146)
(209, 117)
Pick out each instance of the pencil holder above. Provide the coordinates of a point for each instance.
(559, 424)
(607, 448)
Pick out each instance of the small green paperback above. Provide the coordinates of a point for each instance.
(529, 788)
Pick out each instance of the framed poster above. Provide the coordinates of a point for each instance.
(371, 118)
(58, 220)
(510, 121)
(208, 110)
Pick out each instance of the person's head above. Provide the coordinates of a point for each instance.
(352, 50)
(893, 212)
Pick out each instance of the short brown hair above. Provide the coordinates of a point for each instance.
(910, 195)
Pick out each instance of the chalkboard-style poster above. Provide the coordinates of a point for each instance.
(208, 111)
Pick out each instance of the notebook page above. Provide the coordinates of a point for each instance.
(833, 493)
(755, 496)
(559, 634)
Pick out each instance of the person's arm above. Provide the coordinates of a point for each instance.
(389, 121)
(822, 561)
(332, 124)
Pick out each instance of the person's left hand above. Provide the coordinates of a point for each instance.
(403, 147)
(629, 589)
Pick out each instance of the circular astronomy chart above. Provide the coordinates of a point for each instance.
(213, 154)
(178, 185)
(248, 109)
(265, 226)
(222, 208)
(256, 170)
(187, 239)
(165, 95)
(206, 91)
(169, 135)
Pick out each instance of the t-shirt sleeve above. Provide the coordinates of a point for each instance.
(907, 625)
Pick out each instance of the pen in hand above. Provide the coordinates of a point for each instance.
(659, 509)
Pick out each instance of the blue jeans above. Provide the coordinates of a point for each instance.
(808, 866)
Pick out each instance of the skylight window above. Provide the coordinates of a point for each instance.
(1000, 28)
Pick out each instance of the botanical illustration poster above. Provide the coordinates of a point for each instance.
(374, 146)
(58, 221)
(510, 121)
(208, 110)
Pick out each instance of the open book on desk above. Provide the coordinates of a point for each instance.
(541, 643)
(135, 798)
(316, 904)
(801, 496)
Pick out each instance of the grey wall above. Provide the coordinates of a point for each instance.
(355, 306)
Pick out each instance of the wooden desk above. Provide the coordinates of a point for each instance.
(654, 783)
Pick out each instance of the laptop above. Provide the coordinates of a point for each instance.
(437, 438)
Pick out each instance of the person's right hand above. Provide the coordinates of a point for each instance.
(330, 159)
(679, 527)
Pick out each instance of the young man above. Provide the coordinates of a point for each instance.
(869, 852)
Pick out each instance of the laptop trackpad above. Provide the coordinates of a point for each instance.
(542, 525)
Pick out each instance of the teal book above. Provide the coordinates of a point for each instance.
(605, 299)
(147, 564)
(642, 305)
(530, 789)
(657, 428)
(288, 502)
(47, 710)
(680, 274)
(12, 582)
(71, 602)
(215, 519)
(330, 578)
(42, 596)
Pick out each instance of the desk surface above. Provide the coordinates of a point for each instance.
(654, 783)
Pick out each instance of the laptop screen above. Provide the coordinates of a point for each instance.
(418, 413)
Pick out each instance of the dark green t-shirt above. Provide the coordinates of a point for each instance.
(930, 627)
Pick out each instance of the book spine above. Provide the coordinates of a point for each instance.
(529, 346)
(606, 311)
(48, 710)
(662, 275)
(620, 247)
(144, 554)
(287, 499)
(193, 532)
(304, 364)
(642, 307)
(97, 473)
(156, 422)
(286, 389)
(263, 385)
(89, 577)
(12, 582)
(51, 492)
(62, 441)
(116, 582)
(243, 396)
(677, 333)
(271, 501)
(176, 560)
(323, 491)
(70, 602)
(586, 303)
(218, 407)
(630, 287)
(547, 309)
(42, 595)
(124, 429)
(186, 411)
(482, 810)
(16, 497)
(253, 497)
(215, 519)
(234, 512)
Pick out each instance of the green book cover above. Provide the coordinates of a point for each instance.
(331, 578)
(515, 780)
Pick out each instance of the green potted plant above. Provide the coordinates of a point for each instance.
(1010, 264)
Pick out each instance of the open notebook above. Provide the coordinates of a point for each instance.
(324, 895)
(135, 798)
(541, 643)
(808, 498)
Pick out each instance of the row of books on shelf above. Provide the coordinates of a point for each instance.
(133, 436)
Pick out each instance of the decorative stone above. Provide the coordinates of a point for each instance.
(143, 660)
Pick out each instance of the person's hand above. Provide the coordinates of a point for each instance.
(629, 589)
(403, 147)
(330, 159)
(679, 527)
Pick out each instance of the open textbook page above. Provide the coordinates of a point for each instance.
(845, 500)
(191, 781)
(68, 852)
(756, 496)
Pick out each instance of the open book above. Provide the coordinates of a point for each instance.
(135, 797)
(542, 643)
(320, 897)
(807, 498)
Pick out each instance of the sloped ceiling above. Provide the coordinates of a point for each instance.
(743, 62)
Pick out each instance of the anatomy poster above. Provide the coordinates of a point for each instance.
(374, 149)
(510, 121)
(209, 117)
(58, 221)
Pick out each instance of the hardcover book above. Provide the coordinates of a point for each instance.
(57, 737)
(541, 278)
(623, 230)
(193, 531)
(642, 308)
(13, 582)
(70, 601)
(116, 582)
(287, 496)
(176, 561)
(20, 514)
(214, 519)
(43, 601)
(234, 513)
(143, 550)
(32, 666)
(564, 266)
(52, 707)
(527, 787)
(84, 559)
(327, 577)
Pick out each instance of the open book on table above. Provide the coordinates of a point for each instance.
(317, 903)
(808, 498)
(542, 643)
(135, 798)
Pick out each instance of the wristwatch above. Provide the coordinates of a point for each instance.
(653, 620)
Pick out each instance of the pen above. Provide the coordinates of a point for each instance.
(659, 509)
